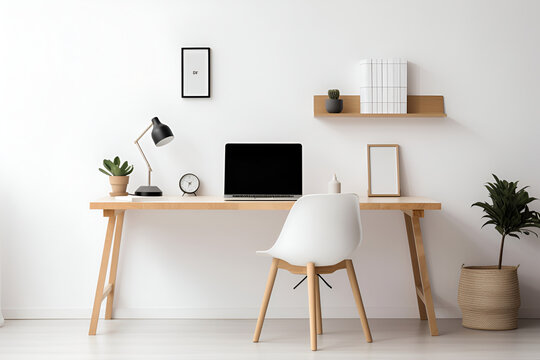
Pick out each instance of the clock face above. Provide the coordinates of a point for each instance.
(189, 183)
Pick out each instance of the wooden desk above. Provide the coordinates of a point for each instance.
(412, 207)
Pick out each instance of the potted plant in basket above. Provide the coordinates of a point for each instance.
(118, 175)
(334, 104)
(489, 295)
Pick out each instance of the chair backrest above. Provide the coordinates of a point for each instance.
(323, 229)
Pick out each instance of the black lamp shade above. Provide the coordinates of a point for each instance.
(161, 133)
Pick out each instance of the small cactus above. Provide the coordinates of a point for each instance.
(333, 94)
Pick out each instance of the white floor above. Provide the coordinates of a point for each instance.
(280, 339)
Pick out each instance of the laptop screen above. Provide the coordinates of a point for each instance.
(263, 169)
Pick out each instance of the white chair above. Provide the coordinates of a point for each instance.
(318, 237)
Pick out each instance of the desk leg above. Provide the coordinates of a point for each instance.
(420, 272)
(114, 263)
(103, 270)
(415, 268)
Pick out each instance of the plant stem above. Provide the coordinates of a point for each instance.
(501, 252)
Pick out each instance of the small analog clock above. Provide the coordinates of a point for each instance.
(189, 184)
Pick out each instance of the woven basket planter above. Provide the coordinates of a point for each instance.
(489, 297)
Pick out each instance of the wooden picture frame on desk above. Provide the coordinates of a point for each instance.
(383, 170)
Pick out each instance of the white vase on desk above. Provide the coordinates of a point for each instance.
(334, 186)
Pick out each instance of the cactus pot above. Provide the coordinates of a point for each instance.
(119, 185)
(489, 297)
(334, 106)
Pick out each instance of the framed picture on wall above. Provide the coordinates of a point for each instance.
(383, 170)
(196, 72)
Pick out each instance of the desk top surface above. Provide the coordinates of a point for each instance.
(179, 202)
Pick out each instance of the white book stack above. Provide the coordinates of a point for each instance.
(366, 87)
(402, 86)
(383, 86)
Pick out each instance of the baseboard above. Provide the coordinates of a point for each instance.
(238, 313)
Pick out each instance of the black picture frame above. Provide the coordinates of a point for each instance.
(185, 50)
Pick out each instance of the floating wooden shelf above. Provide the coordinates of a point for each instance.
(417, 106)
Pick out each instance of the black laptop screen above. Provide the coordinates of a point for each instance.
(263, 169)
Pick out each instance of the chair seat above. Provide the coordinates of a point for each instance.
(296, 261)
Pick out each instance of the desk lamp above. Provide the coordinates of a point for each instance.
(162, 135)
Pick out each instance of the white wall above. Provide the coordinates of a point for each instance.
(81, 79)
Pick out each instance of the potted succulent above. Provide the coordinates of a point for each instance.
(334, 104)
(489, 295)
(118, 175)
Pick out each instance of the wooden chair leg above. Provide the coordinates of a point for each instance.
(266, 298)
(114, 264)
(318, 304)
(358, 299)
(312, 278)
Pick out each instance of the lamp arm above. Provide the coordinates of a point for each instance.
(142, 153)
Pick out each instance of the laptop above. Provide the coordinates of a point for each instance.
(263, 171)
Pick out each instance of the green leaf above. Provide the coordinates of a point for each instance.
(116, 170)
(108, 164)
(531, 232)
(105, 172)
(117, 161)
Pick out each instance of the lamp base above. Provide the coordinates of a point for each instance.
(148, 191)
